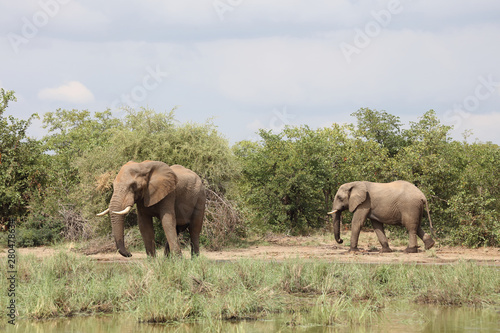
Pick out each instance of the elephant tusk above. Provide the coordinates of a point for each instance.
(332, 212)
(103, 213)
(123, 212)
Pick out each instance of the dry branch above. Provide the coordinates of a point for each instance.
(222, 221)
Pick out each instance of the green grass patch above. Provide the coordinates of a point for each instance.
(164, 290)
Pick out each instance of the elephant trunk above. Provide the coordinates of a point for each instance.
(117, 227)
(336, 227)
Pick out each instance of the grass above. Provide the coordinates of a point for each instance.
(163, 290)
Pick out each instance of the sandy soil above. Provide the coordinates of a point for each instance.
(322, 248)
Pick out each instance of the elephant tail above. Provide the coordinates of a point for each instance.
(429, 217)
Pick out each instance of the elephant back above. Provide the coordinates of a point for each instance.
(188, 182)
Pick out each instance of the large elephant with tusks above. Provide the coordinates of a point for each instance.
(173, 194)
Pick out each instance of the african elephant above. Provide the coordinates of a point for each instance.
(397, 203)
(173, 194)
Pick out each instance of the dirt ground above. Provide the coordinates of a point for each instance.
(313, 247)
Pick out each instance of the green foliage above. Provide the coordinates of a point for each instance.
(71, 135)
(285, 182)
(87, 151)
(290, 176)
(475, 205)
(380, 127)
(20, 157)
(39, 230)
(147, 135)
(157, 136)
(289, 179)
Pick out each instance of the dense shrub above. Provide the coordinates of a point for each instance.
(39, 229)
(284, 182)
(20, 158)
(85, 169)
(289, 178)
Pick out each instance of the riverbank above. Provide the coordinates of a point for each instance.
(178, 290)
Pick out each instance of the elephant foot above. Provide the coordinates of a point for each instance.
(429, 243)
(411, 250)
(126, 254)
(354, 249)
(386, 250)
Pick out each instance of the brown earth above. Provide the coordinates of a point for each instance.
(312, 247)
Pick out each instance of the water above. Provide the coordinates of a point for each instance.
(420, 319)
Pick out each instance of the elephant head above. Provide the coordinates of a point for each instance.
(147, 182)
(349, 196)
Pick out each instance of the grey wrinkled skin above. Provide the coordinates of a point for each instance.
(396, 203)
(173, 194)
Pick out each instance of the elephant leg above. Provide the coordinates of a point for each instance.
(169, 227)
(412, 242)
(147, 232)
(195, 241)
(167, 249)
(194, 234)
(195, 227)
(178, 229)
(382, 238)
(427, 239)
(358, 220)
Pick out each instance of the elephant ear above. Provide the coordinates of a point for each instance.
(162, 181)
(357, 196)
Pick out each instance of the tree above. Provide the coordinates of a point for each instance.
(381, 127)
(289, 178)
(20, 175)
(147, 135)
(474, 206)
(71, 134)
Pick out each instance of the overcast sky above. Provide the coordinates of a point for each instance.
(251, 64)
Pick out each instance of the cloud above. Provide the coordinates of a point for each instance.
(397, 66)
(73, 91)
(483, 127)
(259, 56)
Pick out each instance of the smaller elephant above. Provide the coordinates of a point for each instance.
(396, 203)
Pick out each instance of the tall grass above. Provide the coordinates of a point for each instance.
(173, 290)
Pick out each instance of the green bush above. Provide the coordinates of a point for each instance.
(477, 224)
(289, 178)
(20, 158)
(90, 150)
(285, 182)
(39, 230)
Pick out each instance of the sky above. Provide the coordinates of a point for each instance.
(250, 64)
